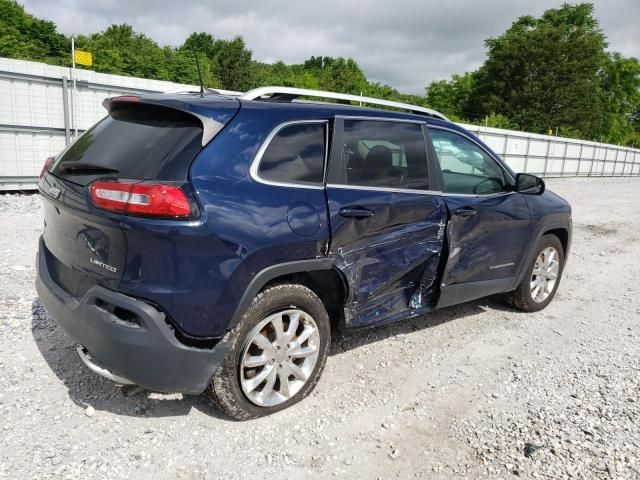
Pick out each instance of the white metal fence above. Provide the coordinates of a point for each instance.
(40, 112)
(551, 156)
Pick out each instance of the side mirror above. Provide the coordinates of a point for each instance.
(529, 184)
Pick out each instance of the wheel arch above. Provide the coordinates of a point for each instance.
(563, 236)
(560, 230)
(319, 275)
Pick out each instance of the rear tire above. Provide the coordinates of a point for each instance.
(542, 278)
(278, 351)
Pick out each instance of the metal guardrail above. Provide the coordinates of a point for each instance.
(630, 161)
(30, 129)
(62, 82)
(19, 181)
(79, 83)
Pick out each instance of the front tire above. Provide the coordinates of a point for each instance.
(278, 352)
(541, 281)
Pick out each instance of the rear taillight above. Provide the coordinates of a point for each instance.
(46, 166)
(152, 199)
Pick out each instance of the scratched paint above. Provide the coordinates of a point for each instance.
(394, 272)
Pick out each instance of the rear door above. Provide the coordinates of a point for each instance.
(488, 231)
(387, 227)
(135, 142)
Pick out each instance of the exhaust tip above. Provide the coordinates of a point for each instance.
(85, 356)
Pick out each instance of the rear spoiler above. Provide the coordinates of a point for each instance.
(210, 127)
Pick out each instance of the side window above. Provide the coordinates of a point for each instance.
(466, 168)
(385, 154)
(295, 155)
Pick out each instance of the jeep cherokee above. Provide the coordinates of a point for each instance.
(214, 242)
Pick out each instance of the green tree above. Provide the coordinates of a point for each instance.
(381, 90)
(277, 74)
(621, 94)
(450, 96)
(496, 120)
(121, 50)
(317, 63)
(201, 42)
(232, 66)
(280, 73)
(182, 67)
(182, 64)
(25, 37)
(343, 76)
(545, 73)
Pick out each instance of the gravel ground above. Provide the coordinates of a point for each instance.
(472, 391)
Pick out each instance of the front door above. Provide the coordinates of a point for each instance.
(488, 231)
(387, 228)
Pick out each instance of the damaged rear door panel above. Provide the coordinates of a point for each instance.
(387, 228)
(390, 260)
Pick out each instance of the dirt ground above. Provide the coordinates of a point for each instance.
(476, 390)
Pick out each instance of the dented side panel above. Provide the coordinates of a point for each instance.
(489, 245)
(390, 260)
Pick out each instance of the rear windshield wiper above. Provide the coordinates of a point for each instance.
(85, 169)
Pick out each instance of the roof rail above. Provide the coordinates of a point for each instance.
(289, 93)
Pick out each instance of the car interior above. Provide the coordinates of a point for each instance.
(466, 169)
(384, 164)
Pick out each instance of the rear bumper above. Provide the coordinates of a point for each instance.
(138, 346)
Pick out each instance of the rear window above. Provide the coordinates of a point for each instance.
(142, 142)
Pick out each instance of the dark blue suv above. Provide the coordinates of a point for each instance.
(210, 241)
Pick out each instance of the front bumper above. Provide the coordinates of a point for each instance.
(139, 346)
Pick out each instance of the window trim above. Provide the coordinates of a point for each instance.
(490, 154)
(381, 119)
(384, 189)
(342, 166)
(255, 164)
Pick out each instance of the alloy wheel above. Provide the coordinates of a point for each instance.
(279, 357)
(545, 274)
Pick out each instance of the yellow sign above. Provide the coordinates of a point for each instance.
(83, 58)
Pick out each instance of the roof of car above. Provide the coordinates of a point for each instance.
(326, 108)
(292, 93)
(296, 98)
(213, 101)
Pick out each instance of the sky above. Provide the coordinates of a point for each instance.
(405, 44)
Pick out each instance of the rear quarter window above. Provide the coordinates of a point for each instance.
(295, 155)
(142, 142)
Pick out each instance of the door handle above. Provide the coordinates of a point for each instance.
(356, 212)
(466, 211)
